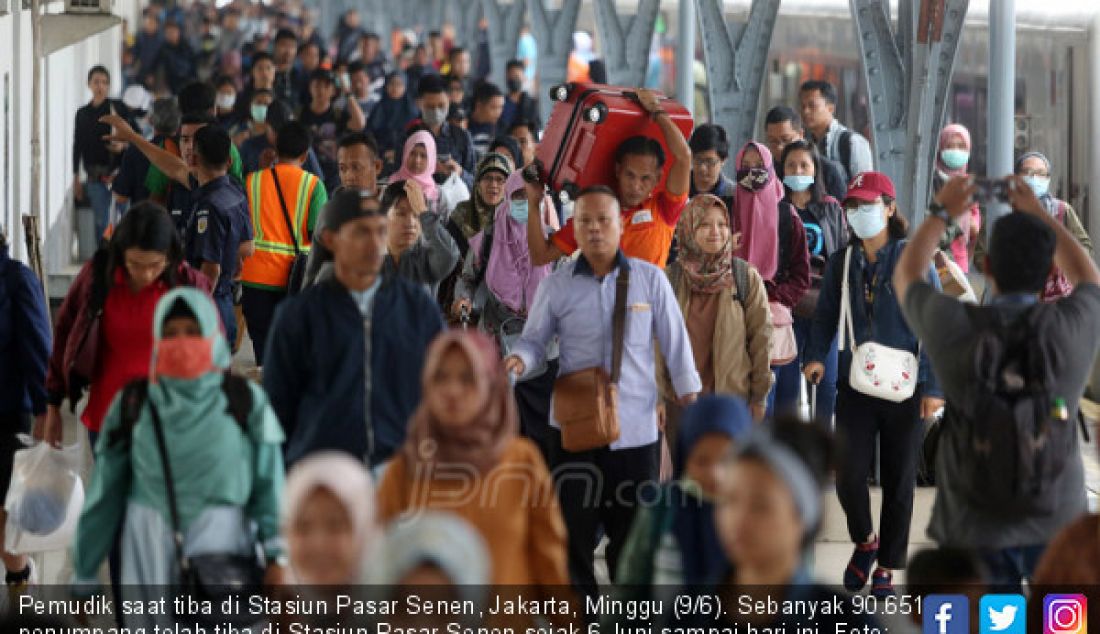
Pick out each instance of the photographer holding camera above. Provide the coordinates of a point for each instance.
(1009, 473)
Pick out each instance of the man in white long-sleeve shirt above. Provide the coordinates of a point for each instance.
(575, 304)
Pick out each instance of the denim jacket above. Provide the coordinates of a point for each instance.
(887, 326)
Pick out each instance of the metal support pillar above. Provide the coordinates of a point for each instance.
(626, 46)
(1002, 99)
(505, 21)
(419, 15)
(553, 31)
(685, 57)
(377, 17)
(469, 14)
(908, 75)
(435, 14)
(736, 56)
(1092, 191)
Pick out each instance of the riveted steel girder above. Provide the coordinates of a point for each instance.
(908, 74)
(553, 31)
(505, 21)
(736, 56)
(467, 13)
(626, 46)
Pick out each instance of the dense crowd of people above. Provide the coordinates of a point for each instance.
(420, 310)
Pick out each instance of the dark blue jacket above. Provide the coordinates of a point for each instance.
(314, 372)
(253, 148)
(888, 326)
(24, 340)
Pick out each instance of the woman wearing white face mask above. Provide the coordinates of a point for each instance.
(868, 395)
(1035, 168)
(498, 282)
(952, 160)
(826, 233)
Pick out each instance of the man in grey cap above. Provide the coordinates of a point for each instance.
(344, 356)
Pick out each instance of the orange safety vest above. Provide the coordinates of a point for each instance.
(269, 266)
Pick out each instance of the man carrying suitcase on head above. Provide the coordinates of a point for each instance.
(649, 214)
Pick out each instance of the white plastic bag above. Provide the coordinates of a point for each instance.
(45, 498)
(452, 192)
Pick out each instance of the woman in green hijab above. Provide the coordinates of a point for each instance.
(222, 441)
(472, 216)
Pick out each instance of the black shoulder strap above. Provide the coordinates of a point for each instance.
(845, 148)
(784, 233)
(133, 400)
(170, 485)
(286, 214)
(481, 264)
(618, 323)
(101, 281)
(741, 280)
(239, 394)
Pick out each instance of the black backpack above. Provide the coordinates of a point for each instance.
(784, 227)
(236, 389)
(844, 146)
(1011, 435)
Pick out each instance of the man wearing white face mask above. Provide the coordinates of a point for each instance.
(1035, 169)
(456, 148)
(867, 314)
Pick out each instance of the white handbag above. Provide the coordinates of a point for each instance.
(877, 370)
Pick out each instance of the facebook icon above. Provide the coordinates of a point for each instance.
(946, 614)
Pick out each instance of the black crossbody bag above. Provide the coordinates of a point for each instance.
(298, 266)
(212, 577)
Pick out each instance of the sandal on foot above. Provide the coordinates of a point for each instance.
(859, 566)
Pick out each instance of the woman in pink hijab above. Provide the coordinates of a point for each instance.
(498, 284)
(418, 164)
(952, 158)
(776, 247)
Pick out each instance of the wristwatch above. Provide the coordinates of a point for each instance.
(936, 210)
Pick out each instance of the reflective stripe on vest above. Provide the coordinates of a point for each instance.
(270, 266)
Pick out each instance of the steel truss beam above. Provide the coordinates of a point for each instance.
(736, 56)
(626, 46)
(908, 75)
(505, 21)
(553, 31)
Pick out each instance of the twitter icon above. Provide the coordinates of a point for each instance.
(1003, 614)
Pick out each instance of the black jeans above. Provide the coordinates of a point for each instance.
(860, 420)
(533, 402)
(1009, 567)
(258, 306)
(598, 488)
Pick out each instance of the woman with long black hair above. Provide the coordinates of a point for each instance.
(800, 169)
(104, 331)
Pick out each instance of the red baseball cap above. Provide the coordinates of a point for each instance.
(867, 186)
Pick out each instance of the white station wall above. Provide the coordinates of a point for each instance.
(64, 91)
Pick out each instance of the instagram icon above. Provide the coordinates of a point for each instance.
(1065, 614)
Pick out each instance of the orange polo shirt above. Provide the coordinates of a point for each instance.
(647, 229)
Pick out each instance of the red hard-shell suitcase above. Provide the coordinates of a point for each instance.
(586, 126)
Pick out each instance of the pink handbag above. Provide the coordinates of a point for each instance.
(784, 347)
